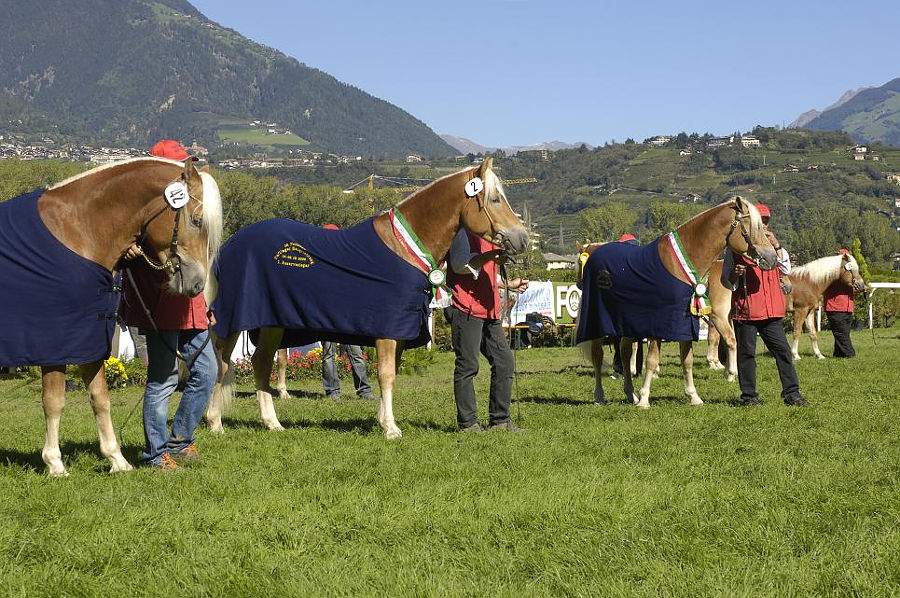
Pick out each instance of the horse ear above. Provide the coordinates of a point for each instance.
(486, 165)
(739, 202)
(189, 171)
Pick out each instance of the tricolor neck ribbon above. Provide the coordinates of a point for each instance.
(437, 274)
(700, 298)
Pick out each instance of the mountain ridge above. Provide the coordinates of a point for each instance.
(871, 114)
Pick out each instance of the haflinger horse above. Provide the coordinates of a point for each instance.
(371, 284)
(59, 249)
(658, 291)
(808, 282)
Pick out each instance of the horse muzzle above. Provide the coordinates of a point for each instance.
(513, 241)
(189, 278)
(766, 259)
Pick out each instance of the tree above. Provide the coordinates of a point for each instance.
(606, 223)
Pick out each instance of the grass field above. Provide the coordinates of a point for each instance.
(258, 136)
(591, 501)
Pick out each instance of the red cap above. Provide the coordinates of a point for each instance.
(763, 209)
(330, 226)
(169, 148)
(627, 237)
(844, 251)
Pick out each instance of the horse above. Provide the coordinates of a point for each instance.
(808, 282)
(614, 302)
(59, 253)
(396, 259)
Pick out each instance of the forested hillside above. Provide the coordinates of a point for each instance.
(129, 72)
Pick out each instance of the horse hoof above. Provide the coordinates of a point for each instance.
(393, 434)
(644, 407)
(121, 467)
(797, 358)
(729, 377)
(284, 395)
(58, 473)
(820, 357)
(276, 428)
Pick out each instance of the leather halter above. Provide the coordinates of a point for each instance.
(173, 260)
(498, 238)
(751, 254)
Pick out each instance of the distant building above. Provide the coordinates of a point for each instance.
(791, 168)
(749, 141)
(720, 141)
(413, 158)
(660, 140)
(559, 262)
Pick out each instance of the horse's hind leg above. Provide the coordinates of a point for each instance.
(813, 334)
(268, 342)
(597, 361)
(94, 377)
(626, 350)
(224, 388)
(712, 348)
(799, 317)
(53, 381)
(687, 367)
(388, 352)
(722, 330)
(653, 349)
(281, 357)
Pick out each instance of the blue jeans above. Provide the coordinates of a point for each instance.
(330, 376)
(162, 379)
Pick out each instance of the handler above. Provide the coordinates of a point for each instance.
(758, 306)
(839, 307)
(169, 322)
(474, 317)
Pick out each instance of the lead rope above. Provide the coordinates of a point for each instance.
(512, 344)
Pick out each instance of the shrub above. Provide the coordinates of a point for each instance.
(116, 376)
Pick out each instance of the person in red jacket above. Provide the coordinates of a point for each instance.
(758, 307)
(474, 317)
(839, 308)
(169, 323)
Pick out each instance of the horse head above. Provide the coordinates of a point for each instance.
(849, 273)
(751, 242)
(490, 216)
(184, 229)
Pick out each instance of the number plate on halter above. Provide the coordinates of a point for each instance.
(474, 187)
(437, 277)
(177, 195)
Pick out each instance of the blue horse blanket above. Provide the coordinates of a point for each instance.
(343, 286)
(627, 291)
(56, 307)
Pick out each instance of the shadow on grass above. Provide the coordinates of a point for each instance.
(293, 394)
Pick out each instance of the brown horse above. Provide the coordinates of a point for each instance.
(808, 282)
(703, 239)
(97, 215)
(434, 214)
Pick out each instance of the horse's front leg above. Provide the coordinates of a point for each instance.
(94, 377)
(53, 382)
(388, 351)
(597, 361)
(813, 334)
(653, 349)
(268, 343)
(223, 391)
(722, 330)
(799, 316)
(712, 347)
(686, 348)
(281, 358)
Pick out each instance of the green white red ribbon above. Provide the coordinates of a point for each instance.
(700, 297)
(437, 275)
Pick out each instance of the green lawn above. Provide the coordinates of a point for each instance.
(258, 136)
(591, 501)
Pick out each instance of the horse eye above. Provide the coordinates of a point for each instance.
(196, 220)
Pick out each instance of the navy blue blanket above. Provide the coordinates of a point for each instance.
(344, 286)
(627, 291)
(56, 307)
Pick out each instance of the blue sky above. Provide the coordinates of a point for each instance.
(517, 72)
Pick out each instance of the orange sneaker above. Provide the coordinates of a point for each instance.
(188, 453)
(165, 463)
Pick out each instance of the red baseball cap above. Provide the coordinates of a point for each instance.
(763, 209)
(844, 251)
(169, 148)
(330, 226)
(627, 237)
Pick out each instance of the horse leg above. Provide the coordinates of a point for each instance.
(813, 334)
(388, 351)
(263, 357)
(53, 382)
(626, 352)
(724, 331)
(799, 317)
(597, 361)
(94, 377)
(653, 349)
(281, 384)
(223, 392)
(712, 347)
(686, 348)
(632, 362)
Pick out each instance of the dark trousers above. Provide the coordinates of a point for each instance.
(840, 322)
(617, 356)
(471, 336)
(772, 333)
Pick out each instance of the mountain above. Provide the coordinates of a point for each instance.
(467, 146)
(131, 71)
(809, 115)
(873, 114)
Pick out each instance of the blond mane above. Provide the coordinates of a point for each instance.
(823, 270)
